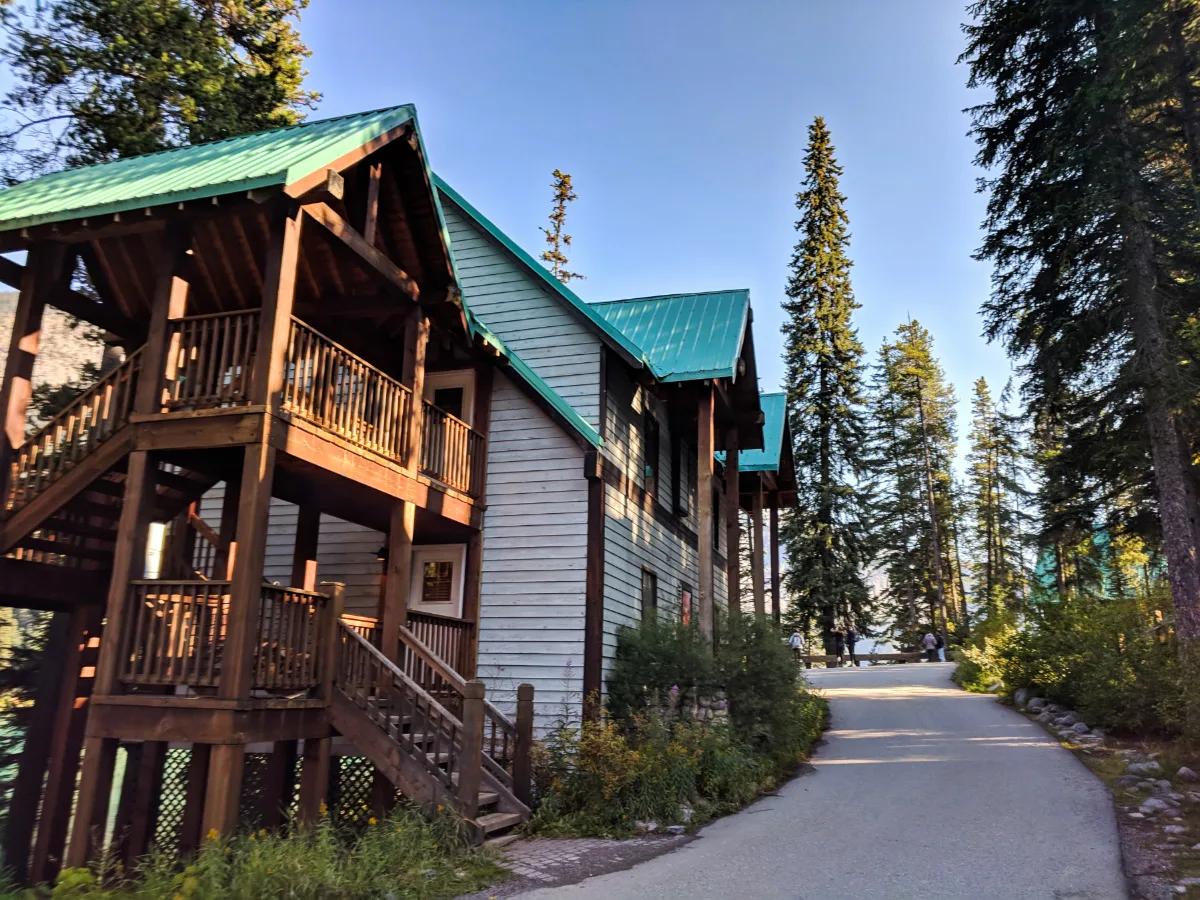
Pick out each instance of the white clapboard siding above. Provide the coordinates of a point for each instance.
(516, 305)
(534, 560)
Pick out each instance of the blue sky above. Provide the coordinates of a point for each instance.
(684, 124)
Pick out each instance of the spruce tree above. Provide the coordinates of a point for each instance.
(1090, 134)
(556, 235)
(825, 535)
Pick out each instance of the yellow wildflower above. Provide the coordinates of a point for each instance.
(371, 821)
(324, 809)
(252, 836)
(213, 834)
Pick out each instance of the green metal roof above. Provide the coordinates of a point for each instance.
(277, 157)
(685, 337)
(770, 458)
(615, 338)
(547, 393)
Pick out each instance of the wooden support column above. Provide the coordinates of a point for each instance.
(314, 778)
(193, 806)
(279, 783)
(224, 789)
(66, 745)
(371, 210)
(758, 554)
(227, 533)
(169, 302)
(593, 611)
(776, 610)
(304, 553)
(473, 584)
(522, 759)
(31, 769)
(733, 523)
(279, 288)
(393, 610)
(143, 811)
(416, 339)
(91, 810)
(45, 273)
(704, 509)
(471, 759)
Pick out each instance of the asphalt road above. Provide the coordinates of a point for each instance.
(921, 790)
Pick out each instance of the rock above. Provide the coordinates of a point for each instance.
(1186, 774)
(1129, 782)
(1174, 829)
(1046, 717)
(1163, 785)
(1137, 815)
(995, 687)
(1035, 704)
(1145, 785)
(1020, 695)
(686, 813)
(1149, 767)
(1066, 720)
(646, 827)
(676, 829)
(1192, 797)
(1189, 882)
(1098, 735)
(1092, 739)
(1178, 889)
(1152, 805)
(1080, 728)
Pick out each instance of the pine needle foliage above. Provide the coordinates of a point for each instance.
(825, 535)
(556, 236)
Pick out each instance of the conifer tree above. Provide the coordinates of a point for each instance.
(1092, 136)
(556, 235)
(825, 536)
(101, 79)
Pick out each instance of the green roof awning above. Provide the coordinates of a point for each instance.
(770, 458)
(277, 157)
(685, 337)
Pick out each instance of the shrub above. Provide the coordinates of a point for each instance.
(658, 666)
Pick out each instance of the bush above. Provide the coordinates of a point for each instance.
(652, 759)
(402, 856)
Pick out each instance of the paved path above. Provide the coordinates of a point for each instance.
(922, 790)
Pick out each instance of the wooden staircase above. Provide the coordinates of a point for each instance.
(432, 756)
(66, 484)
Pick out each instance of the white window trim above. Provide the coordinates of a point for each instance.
(454, 378)
(453, 553)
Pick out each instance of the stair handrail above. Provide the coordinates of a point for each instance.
(492, 714)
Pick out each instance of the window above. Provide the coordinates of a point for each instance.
(453, 391)
(650, 448)
(437, 579)
(685, 603)
(649, 595)
(681, 470)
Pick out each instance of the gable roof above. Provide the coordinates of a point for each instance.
(564, 410)
(685, 337)
(274, 158)
(611, 335)
(770, 457)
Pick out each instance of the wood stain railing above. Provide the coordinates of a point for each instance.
(326, 384)
(451, 452)
(211, 359)
(289, 641)
(91, 419)
(174, 633)
(449, 639)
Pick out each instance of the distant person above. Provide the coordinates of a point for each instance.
(930, 647)
(851, 640)
(794, 643)
(839, 647)
(941, 648)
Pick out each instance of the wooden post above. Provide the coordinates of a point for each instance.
(45, 271)
(304, 553)
(522, 761)
(371, 210)
(757, 554)
(394, 611)
(331, 632)
(66, 745)
(593, 612)
(169, 302)
(704, 509)
(733, 523)
(416, 338)
(226, 553)
(193, 806)
(31, 769)
(278, 784)
(471, 759)
(776, 609)
(473, 583)
(314, 778)
(91, 810)
(138, 807)
(279, 288)
(224, 790)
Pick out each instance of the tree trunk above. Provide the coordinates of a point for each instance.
(933, 520)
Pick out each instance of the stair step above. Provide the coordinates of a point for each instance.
(493, 822)
(487, 798)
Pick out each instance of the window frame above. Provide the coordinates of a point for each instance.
(650, 579)
(425, 553)
(454, 378)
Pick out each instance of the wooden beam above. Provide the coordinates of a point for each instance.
(225, 765)
(276, 322)
(338, 227)
(416, 341)
(341, 164)
(756, 554)
(168, 302)
(704, 508)
(371, 211)
(91, 811)
(473, 591)
(193, 804)
(393, 610)
(31, 585)
(314, 779)
(776, 611)
(304, 550)
(733, 523)
(76, 304)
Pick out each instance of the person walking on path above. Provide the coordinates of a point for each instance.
(941, 649)
(851, 640)
(839, 646)
(930, 647)
(794, 643)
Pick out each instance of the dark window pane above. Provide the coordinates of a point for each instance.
(437, 582)
(450, 399)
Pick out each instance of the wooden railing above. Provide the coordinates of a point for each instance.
(451, 452)
(329, 386)
(449, 639)
(363, 625)
(92, 418)
(288, 646)
(211, 360)
(174, 633)
(412, 718)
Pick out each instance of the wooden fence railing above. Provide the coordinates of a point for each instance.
(329, 386)
(211, 359)
(451, 452)
(288, 648)
(86, 423)
(449, 639)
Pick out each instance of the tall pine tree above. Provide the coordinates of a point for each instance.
(825, 535)
(556, 235)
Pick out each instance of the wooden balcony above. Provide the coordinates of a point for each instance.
(175, 634)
